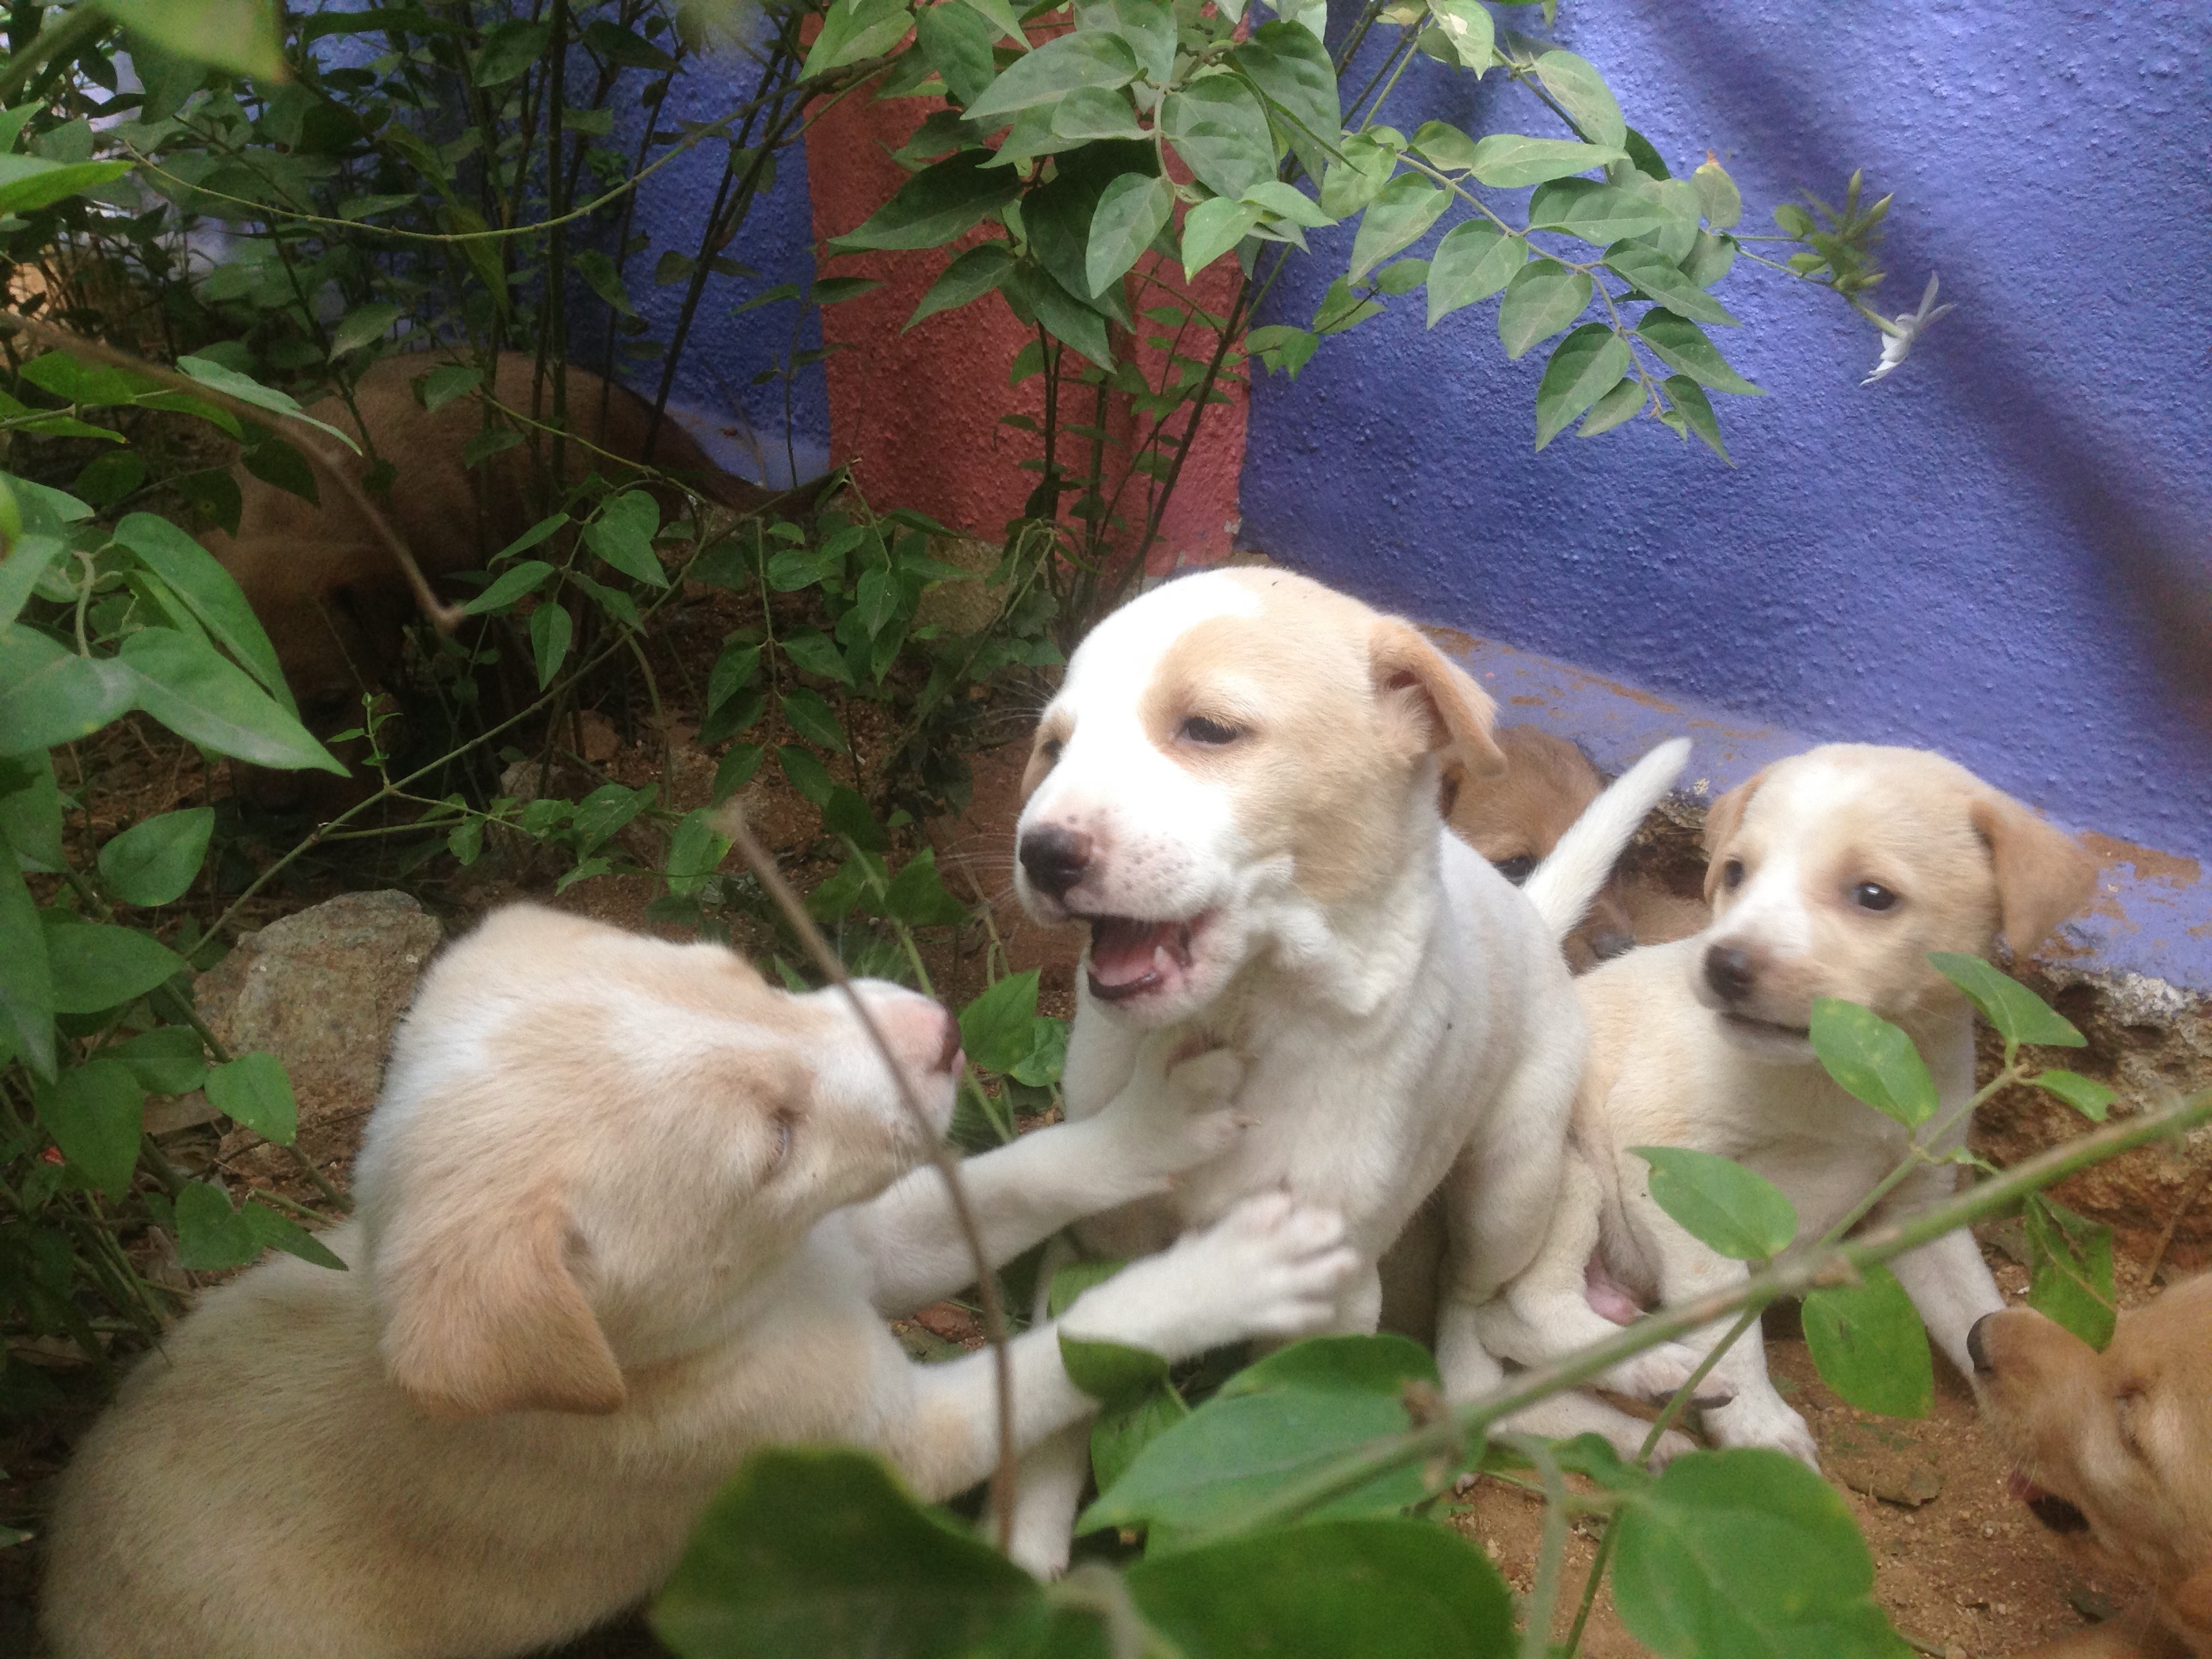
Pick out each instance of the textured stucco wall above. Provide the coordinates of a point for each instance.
(1938, 559)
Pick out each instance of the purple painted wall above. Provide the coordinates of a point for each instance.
(1954, 558)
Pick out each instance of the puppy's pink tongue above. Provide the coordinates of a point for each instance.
(1124, 950)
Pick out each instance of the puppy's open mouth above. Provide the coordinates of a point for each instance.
(2056, 1513)
(1132, 958)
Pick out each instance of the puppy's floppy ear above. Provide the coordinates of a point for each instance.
(1432, 700)
(484, 1314)
(1723, 819)
(2044, 875)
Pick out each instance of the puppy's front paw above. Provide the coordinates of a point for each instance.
(1180, 1118)
(1657, 1372)
(1283, 1266)
(1762, 1418)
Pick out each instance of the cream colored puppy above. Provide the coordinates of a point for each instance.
(1237, 791)
(623, 1219)
(1833, 873)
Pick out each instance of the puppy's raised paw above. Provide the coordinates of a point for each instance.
(1286, 1264)
(1658, 1372)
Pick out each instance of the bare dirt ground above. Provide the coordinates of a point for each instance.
(1962, 1569)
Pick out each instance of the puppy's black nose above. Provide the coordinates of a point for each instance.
(1730, 972)
(1976, 1350)
(1055, 859)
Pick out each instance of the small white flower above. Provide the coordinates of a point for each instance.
(1899, 332)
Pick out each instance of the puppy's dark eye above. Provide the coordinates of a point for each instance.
(1517, 869)
(1212, 734)
(1872, 895)
(1731, 874)
(1050, 749)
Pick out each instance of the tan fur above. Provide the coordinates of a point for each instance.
(2125, 1436)
(1723, 819)
(627, 1215)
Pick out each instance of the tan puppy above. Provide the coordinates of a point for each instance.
(2117, 1448)
(324, 583)
(1516, 818)
(604, 1250)
(1833, 873)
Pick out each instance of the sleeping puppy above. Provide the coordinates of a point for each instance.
(1235, 790)
(2115, 1447)
(1833, 873)
(626, 1214)
(1516, 818)
(325, 584)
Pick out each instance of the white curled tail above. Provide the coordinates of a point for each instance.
(1563, 885)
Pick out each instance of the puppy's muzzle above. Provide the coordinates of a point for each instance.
(1054, 858)
(1731, 972)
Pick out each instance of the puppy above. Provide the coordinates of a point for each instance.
(1832, 873)
(1516, 818)
(2115, 1447)
(325, 584)
(626, 1214)
(1236, 792)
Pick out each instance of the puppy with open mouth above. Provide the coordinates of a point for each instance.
(2115, 1450)
(1833, 873)
(1236, 791)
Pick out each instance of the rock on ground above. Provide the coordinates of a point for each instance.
(321, 990)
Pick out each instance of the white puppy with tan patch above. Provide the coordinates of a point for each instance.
(627, 1213)
(1834, 874)
(1237, 789)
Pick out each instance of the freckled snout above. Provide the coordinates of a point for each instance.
(1731, 972)
(1054, 858)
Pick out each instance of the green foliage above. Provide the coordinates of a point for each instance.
(1733, 1210)
(1873, 1061)
(1870, 1344)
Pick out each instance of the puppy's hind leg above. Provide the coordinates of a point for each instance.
(1052, 1478)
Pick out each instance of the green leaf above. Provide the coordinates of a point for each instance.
(1003, 17)
(1375, 1589)
(806, 771)
(1218, 127)
(969, 277)
(1054, 69)
(2070, 1270)
(1729, 1208)
(1397, 218)
(1870, 1346)
(1583, 368)
(995, 1029)
(1288, 202)
(1873, 1061)
(211, 1235)
(198, 695)
(1294, 1413)
(27, 989)
(855, 29)
(1133, 210)
(1467, 25)
(209, 592)
(736, 770)
(254, 1092)
(1506, 160)
(166, 1060)
(1445, 145)
(1717, 195)
(1124, 1427)
(28, 558)
(1472, 263)
(1659, 279)
(1690, 401)
(154, 862)
(96, 1113)
(1543, 298)
(1710, 258)
(30, 812)
(490, 441)
(918, 896)
(1623, 403)
(97, 966)
(601, 275)
(28, 183)
(247, 390)
(1682, 345)
(1146, 27)
(738, 667)
(1352, 182)
(1747, 1554)
(956, 42)
(363, 325)
(1296, 78)
(527, 577)
(623, 536)
(1581, 92)
(1677, 201)
(1211, 229)
(551, 627)
(818, 654)
(89, 385)
(812, 717)
(1597, 213)
(273, 1232)
(2018, 1014)
(276, 462)
(602, 812)
(939, 203)
(509, 49)
(1095, 113)
(2084, 1094)
(695, 851)
(446, 382)
(1110, 1370)
(49, 695)
(818, 1553)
